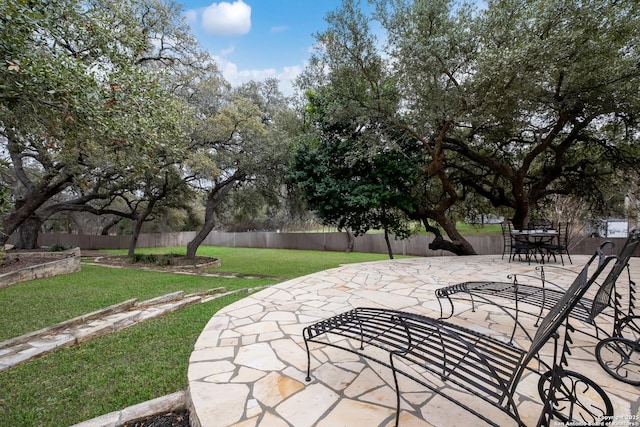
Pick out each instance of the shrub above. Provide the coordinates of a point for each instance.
(143, 258)
(161, 260)
(164, 260)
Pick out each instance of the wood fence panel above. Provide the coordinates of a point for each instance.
(331, 241)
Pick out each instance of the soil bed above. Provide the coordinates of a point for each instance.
(13, 261)
(171, 419)
(165, 262)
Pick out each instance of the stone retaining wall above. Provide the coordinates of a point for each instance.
(68, 264)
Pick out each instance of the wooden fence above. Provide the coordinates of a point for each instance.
(329, 241)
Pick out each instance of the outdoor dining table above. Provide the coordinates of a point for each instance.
(536, 238)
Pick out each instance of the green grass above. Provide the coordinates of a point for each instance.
(110, 373)
(477, 229)
(34, 305)
(281, 263)
(142, 362)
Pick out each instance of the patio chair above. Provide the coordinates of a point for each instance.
(540, 224)
(514, 246)
(619, 352)
(561, 246)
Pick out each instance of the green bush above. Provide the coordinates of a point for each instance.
(143, 259)
(161, 260)
(164, 260)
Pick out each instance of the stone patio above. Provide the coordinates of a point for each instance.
(249, 363)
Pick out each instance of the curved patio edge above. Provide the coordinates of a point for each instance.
(248, 366)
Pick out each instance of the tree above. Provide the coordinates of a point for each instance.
(348, 190)
(235, 142)
(505, 102)
(536, 110)
(540, 112)
(362, 86)
(84, 104)
(166, 189)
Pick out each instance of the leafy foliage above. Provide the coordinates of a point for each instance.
(239, 140)
(83, 113)
(346, 189)
(508, 104)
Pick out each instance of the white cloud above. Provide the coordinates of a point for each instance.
(236, 77)
(279, 28)
(227, 18)
(228, 51)
(191, 16)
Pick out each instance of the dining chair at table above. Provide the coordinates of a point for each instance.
(515, 246)
(561, 245)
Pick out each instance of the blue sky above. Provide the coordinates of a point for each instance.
(256, 39)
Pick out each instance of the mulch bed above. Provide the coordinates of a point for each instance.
(171, 419)
(178, 262)
(13, 261)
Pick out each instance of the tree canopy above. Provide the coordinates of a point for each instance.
(236, 142)
(513, 102)
(80, 111)
(111, 107)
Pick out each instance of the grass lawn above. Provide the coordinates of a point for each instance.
(477, 229)
(142, 362)
(280, 263)
(33, 305)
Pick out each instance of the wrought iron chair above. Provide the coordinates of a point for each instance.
(562, 245)
(619, 352)
(514, 246)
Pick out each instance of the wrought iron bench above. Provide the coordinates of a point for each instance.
(618, 353)
(419, 347)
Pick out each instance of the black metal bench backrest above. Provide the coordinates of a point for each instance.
(560, 312)
(603, 296)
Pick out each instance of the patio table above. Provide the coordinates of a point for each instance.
(536, 239)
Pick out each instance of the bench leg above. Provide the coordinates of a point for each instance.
(395, 382)
(442, 308)
(306, 344)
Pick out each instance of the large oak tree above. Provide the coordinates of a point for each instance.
(514, 102)
(238, 140)
(88, 105)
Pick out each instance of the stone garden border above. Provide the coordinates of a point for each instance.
(66, 262)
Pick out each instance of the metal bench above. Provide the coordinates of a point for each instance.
(618, 353)
(420, 347)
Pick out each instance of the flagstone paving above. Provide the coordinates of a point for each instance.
(248, 366)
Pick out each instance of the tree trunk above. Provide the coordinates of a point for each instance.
(522, 213)
(457, 245)
(108, 226)
(138, 227)
(28, 233)
(351, 241)
(216, 196)
(388, 242)
(192, 246)
(27, 208)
